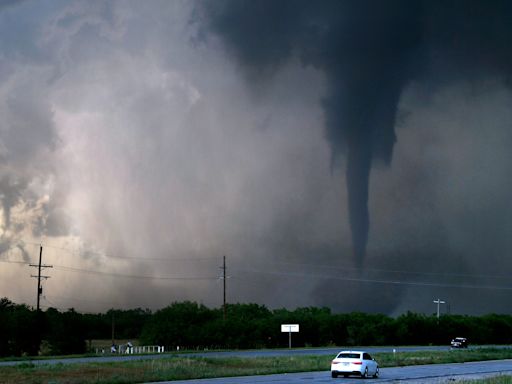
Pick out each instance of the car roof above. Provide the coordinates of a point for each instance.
(352, 352)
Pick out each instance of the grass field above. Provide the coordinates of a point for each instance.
(492, 380)
(178, 368)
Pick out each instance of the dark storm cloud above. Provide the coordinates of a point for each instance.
(369, 51)
(9, 3)
(127, 148)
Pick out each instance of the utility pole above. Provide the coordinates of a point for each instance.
(39, 277)
(113, 328)
(438, 302)
(224, 283)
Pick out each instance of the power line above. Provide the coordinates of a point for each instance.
(54, 307)
(378, 281)
(292, 274)
(112, 256)
(15, 262)
(71, 269)
(308, 265)
(445, 274)
(162, 258)
(67, 298)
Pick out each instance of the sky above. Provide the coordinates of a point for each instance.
(348, 154)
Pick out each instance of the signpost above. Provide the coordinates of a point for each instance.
(290, 328)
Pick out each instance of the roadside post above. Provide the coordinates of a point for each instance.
(289, 328)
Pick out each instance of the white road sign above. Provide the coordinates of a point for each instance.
(289, 327)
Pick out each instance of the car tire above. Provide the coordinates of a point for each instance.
(376, 374)
(334, 375)
(365, 373)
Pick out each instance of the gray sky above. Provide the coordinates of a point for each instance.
(139, 150)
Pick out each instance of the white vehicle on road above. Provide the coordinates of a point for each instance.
(354, 363)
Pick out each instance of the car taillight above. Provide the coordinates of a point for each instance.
(334, 362)
(357, 362)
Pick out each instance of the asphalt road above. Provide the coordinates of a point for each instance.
(251, 353)
(439, 373)
(436, 373)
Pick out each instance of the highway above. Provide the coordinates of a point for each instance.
(245, 353)
(435, 373)
(438, 373)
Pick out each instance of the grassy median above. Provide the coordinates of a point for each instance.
(179, 368)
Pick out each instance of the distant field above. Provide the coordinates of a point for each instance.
(180, 368)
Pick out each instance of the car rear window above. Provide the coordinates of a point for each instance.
(350, 355)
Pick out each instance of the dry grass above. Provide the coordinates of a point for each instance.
(439, 357)
(179, 368)
(156, 370)
(491, 380)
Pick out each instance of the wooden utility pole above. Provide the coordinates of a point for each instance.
(39, 277)
(113, 328)
(224, 281)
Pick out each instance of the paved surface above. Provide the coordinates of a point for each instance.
(429, 374)
(439, 373)
(253, 353)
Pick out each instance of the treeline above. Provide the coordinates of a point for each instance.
(191, 325)
(24, 331)
(188, 325)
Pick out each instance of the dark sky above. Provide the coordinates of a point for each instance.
(353, 154)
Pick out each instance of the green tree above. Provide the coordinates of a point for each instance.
(65, 332)
(24, 330)
(177, 325)
(6, 326)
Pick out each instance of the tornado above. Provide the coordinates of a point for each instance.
(369, 51)
(361, 47)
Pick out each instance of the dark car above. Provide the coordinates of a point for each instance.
(459, 342)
